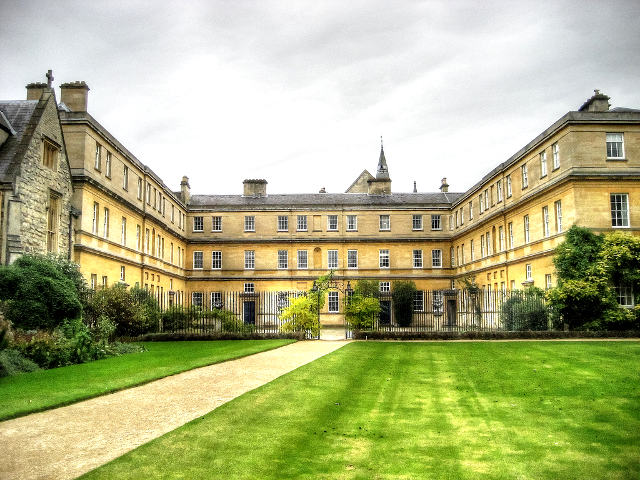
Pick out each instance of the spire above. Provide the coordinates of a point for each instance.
(415, 187)
(383, 170)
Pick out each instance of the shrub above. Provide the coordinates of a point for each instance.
(525, 311)
(361, 307)
(402, 294)
(302, 315)
(37, 293)
(12, 362)
(134, 312)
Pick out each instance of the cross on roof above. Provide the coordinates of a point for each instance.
(49, 78)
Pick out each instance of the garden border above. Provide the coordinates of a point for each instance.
(493, 335)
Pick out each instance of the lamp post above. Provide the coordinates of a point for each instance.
(315, 290)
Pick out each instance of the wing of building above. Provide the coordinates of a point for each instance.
(128, 226)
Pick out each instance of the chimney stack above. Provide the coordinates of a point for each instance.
(444, 187)
(599, 102)
(35, 90)
(75, 96)
(185, 190)
(255, 188)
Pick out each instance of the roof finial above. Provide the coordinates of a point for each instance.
(415, 187)
(381, 143)
(49, 78)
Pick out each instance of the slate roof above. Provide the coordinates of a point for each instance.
(326, 200)
(18, 113)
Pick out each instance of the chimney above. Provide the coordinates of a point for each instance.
(444, 188)
(599, 102)
(35, 90)
(255, 188)
(415, 187)
(185, 190)
(323, 190)
(74, 95)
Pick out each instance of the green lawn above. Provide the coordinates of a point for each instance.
(32, 392)
(520, 410)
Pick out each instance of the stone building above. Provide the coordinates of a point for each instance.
(130, 227)
(35, 179)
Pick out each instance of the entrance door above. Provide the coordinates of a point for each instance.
(249, 312)
(385, 312)
(451, 311)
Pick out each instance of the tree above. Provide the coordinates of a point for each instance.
(574, 258)
(525, 311)
(403, 294)
(361, 307)
(302, 314)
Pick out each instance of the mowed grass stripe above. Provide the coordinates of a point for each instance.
(45, 389)
(528, 410)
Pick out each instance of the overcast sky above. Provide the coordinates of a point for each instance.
(299, 93)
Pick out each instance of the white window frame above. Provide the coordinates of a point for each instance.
(417, 259)
(483, 250)
(249, 287)
(249, 259)
(509, 187)
(481, 203)
(385, 223)
(472, 250)
(543, 164)
(501, 237)
(283, 223)
(418, 301)
(384, 287)
(122, 273)
(619, 203)
(332, 259)
(557, 205)
(436, 222)
(197, 299)
(215, 300)
(471, 210)
(332, 223)
(123, 232)
(249, 223)
(198, 224)
(105, 221)
(555, 153)
(499, 190)
(303, 260)
(527, 236)
(139, 189)
(125, 177)
(216, 222)
(525, 176)
(198, 259)
(301, 223)
(96, 219)
(615, 146)
(384, 258)
(352, 223)
(545, 221)
(98, 160)
(510, 228)
(547, 281)
(416, 222)
(486, 199)
(352, 259)
(216, 260)
(625, 296)
(528, 272)
(436, 258)
(334, 302)
(283, 259)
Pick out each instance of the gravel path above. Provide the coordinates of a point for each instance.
(69, 441)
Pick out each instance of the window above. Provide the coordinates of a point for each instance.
(302, 223)
(555, 152)
(249, 259)
(98, 161)
(94, 221)
(155, 198)
(105, 229)
(526, 229)
(417, 222)
(333, 302)
(196, 299)
(418, 301)
(436, 258)
(283, 259)
(249, 287)
(462, 251)
(436, 222)
(510, 228)
(624, 295)
(107, 165)
(461, 216)
(104, 281)
(543, 164)
(547, 281)
(197, 260)
(615, 145)
(283, 223)
(216, 259)
(352, 259)
(147, 241)
(122, 273)
(94, 281)
(216, 300)
(164, 206)
(545, 221)
(558, 208)
(125, 177)
(352, 223)
(385, 287)
(332, 223)
(302, 260)
(216, 224)
(453, 257)
(525, 178)
(482, 247)
(486, 199)
(473, 252)
(499, 190)
(198, 224)
(471, 210)
(249, 223)
(123, 232)
(53, 215)
(148, 194)
(501, 237)
(138, 237)
(49, 155)
(481, 203)
(450, 222)
(385, 222)
(529, 274)
(171, 253)
(509, 192)
(456, 215)
(332, 258)
(417, 259)
(619, 210)
(438, 303)
(384, 258)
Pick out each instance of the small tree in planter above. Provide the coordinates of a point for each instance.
(402, 294)
(361, 307)
(302, 314)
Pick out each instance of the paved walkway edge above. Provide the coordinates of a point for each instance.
(66, 442)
